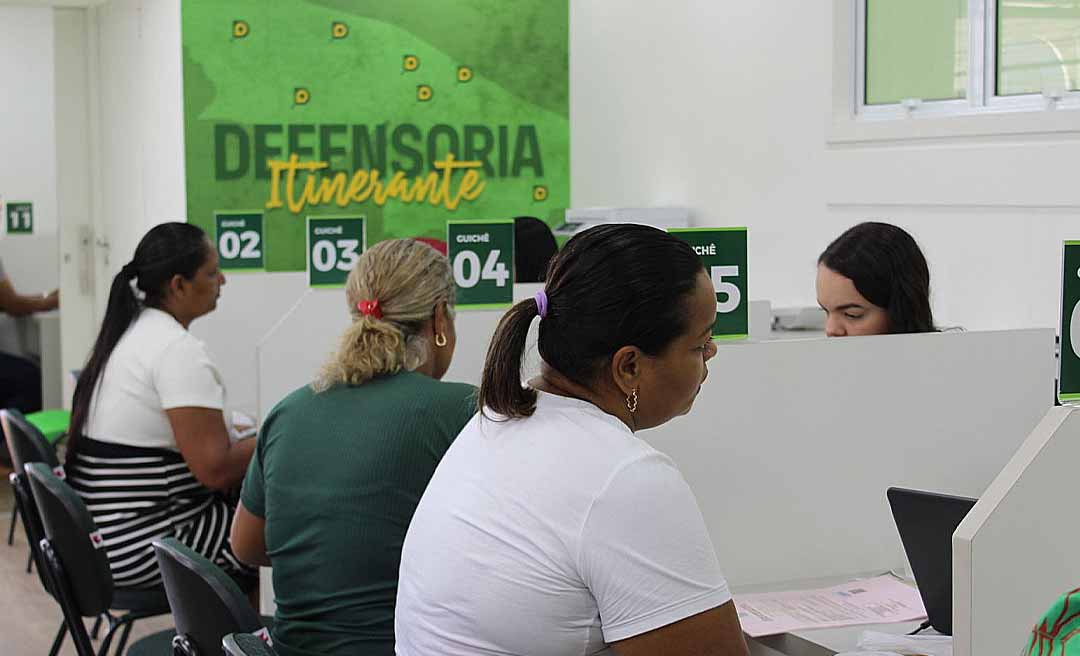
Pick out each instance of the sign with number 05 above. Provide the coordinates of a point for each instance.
(482, 257)
(723, 250)
(1069, 362)
(20, 218)
(334, 245)
(239, 238)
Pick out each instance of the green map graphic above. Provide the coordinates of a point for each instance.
(389, 87)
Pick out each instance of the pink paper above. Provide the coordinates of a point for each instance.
(876, 600)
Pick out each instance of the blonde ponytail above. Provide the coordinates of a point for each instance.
(408, 279)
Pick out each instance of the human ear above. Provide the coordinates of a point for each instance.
(627, 368)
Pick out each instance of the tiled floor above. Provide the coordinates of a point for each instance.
(28, 616)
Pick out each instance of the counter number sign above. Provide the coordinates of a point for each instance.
(482, 257)
(20, 218)
(239, 239)
(1069, 362)
(723, 250)
(334, 245)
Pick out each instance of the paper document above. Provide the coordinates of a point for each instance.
(867, 601)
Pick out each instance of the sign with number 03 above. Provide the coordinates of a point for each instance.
(482, 257)
(239, 238)
(20, 218)
(723, 251)
(334, 245)
(1069, 362)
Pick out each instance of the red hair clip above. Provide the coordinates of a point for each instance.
(370, 309)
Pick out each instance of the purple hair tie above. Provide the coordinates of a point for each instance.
(541, 303)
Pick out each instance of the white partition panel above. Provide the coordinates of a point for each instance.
(250, 305)
(294, 347)
(791, 444)
(1016, 551)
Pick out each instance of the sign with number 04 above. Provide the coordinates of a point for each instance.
(334, 245)
(482, 257)
(723, 251)
(1069, 362)
(239, 238)
(20, 218)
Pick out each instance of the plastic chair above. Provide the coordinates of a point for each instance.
(24, 443)
(246, 644)
(206, 604)
(77, 568)
(534, 246)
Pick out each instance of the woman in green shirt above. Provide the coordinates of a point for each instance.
(341, 464)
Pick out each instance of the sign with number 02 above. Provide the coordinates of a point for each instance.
(723, 251)
(1069, 362)
(482, 257)
(334, 245)
(239, 239)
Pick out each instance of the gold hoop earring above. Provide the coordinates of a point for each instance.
(440, 340)
(631, 401)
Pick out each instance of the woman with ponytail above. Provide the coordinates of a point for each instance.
(149, 450)
(550, 527)
(341, 463)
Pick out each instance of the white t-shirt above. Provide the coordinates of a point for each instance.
(157, 365)
(555, 534)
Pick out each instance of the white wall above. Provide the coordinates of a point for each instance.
(727, 107)
(27, 131)
(142, 121)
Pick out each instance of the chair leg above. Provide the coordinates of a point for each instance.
(124, 638)
(97, 628)
(59, 640)
(106, 642)
(11, 529)
(29, 562)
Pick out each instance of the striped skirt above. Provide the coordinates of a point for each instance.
(137, 495)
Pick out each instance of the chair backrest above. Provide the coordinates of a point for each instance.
(206, 604)
(25, 443)
(246, 644)
(31, 522)
(534, 246)
(75, 539)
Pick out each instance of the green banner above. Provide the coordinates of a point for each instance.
(20, 218)
(723, 250)
(408, 113)
(239, 239)
(482, 256)
(334, 246)
(1069, 371)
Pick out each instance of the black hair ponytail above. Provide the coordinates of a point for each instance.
(169, 249)
(501, 390)
(611, 286)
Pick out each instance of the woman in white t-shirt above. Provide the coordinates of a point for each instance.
(549, 527)
(149, 451)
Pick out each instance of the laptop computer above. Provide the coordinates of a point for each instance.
(926, 522)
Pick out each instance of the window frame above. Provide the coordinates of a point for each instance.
(981, 95)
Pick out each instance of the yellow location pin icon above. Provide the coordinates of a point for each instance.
(240, 29)
(301, 96)
(540, 193)
(410, 63)
(339, 30)
(464, 74)
(423, 93)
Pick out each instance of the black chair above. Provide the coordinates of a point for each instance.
(77, 568)
(246, 644)
(206, 604)
(534, 246)
(24, 443)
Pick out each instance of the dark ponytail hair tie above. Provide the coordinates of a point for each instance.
(130, 271)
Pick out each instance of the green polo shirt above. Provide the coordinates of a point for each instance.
(337, 476)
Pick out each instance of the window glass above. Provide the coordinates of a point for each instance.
(1038, 46)
(916, 49)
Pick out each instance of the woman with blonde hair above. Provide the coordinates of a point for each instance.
(340, 464)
